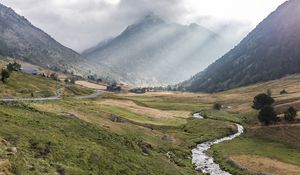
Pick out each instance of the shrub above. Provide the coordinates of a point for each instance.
(4, 75)
(267, 115)
(290, 114)
(283, 92)
(217, 106)
(262, 100)
(13, 67)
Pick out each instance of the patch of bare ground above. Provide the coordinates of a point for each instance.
(155, 113)
(265, 165)
(283, 107)
(5, 167)
(91, 85)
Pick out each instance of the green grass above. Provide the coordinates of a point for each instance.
(143, 119)
(48, 143)
(254, 146)
(197, 131)
(22, 85)
(73, 138)
(176, 106)
(165, 103)
(25, 85)
(228, 116)
(71, 90)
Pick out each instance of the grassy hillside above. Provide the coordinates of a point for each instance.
(272, 150)
(50, 142)
(22, 85)
(80, 136)
(142, 134)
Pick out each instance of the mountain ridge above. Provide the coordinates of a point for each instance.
(21, 40)
(154, 52)
(269, 52)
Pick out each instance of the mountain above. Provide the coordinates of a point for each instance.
(21, 40)
(270, 51)
(155, 52)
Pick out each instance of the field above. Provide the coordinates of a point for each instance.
(151, 133)
(22, 85)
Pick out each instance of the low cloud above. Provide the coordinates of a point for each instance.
(80, 24)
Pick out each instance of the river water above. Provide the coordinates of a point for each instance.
(206, 163)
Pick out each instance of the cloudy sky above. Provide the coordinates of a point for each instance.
(80, 24)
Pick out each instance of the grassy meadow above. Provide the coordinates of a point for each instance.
(152, 133)
(22, 85)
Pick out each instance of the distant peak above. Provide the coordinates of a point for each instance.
(152, 18)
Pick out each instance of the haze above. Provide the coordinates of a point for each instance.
(81, 24)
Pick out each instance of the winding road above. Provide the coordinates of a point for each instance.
(206, 163)
(56, 97)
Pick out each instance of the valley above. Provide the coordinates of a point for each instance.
(160, 94)
(155, 129)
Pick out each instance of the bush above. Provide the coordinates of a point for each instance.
(217, 106)
(283, 92)
(267, 115)
(13, 67)
(4, 75)
(262, 100)
(290, 114)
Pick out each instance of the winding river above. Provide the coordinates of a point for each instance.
(203, 161)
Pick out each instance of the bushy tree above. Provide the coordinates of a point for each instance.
(290, 114)
(267, 115)
(262, 100)
(4, 75)
(13, 67)
(217, 106)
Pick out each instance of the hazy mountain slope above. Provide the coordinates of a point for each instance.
(269, 52)
(21, 40)
(155, 52)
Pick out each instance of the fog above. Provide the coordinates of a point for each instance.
(82, 24)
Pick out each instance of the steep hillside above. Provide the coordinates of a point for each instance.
(156, 52)
(21, 40)
(269, 52)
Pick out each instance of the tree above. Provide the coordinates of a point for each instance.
(262, 100)
(290, 114)
(4, 75)
(217, 106)
(13, 67)
(267, 115)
